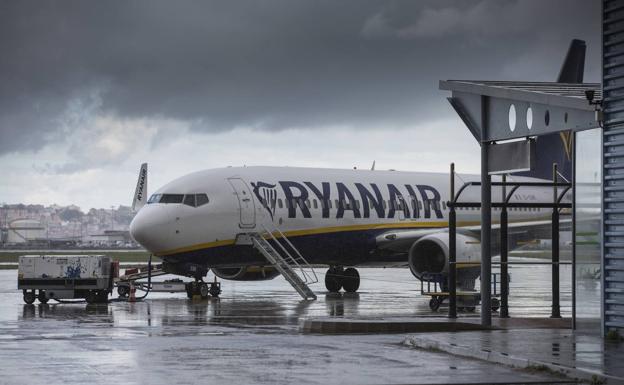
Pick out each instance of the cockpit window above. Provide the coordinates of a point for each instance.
(201, 199)
(189, 200)
(193, 200)
(172, 198)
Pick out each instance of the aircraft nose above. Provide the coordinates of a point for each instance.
(138, 228)
(150, 227)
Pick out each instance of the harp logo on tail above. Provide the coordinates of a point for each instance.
(267, 195)
(566, 139)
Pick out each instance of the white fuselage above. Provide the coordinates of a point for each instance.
(302, 202)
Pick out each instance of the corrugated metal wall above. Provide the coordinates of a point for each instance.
(613, 170)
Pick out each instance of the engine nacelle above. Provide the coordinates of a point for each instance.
(430, 254)
(246, 273)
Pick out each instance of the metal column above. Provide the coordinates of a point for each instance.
(504, 310)
(556, 311)
(452, 277)
(486, 244)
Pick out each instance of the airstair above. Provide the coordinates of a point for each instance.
(298, 272)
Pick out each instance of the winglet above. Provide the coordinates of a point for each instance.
(574, 64)
(140, 193)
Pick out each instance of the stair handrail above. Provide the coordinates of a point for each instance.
(282, 266)
(309, 277)
(291, 261)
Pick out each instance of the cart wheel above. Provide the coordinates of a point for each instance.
(471, 309)
(495, 304)
(29, 296)
(123, 290)
(42, 297)
(102, 296)
(434, 303)
(91, 297)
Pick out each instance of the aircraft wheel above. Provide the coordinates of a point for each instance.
(189, 290)
(203, 290)
(333, 280)
(29, 296)
(350, 280)
(42, 297)
(215, 290)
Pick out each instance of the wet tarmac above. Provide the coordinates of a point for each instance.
(249, 335)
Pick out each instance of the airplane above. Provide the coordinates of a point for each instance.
(337, 218)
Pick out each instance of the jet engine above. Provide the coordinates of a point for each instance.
(430, 254)
(246, 273)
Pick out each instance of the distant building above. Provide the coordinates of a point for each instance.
(111, 238)
(25, 231)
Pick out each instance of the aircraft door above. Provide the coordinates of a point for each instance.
(245, 201)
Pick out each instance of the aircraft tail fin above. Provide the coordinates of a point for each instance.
(557, 147)
(140, 193)
(574, 64)
(552, 148)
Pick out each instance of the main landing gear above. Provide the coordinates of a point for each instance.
(338, 277)
(203, 289)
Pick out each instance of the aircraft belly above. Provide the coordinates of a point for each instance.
(338, 248)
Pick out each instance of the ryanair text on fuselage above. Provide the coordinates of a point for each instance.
(402, 198)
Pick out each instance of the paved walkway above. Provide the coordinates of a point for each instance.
(584, 357)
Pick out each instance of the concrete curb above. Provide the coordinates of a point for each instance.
(587, 375)
(384, 326)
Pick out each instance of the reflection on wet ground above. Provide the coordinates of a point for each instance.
(248, 335)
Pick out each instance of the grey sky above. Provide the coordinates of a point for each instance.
(92, 88)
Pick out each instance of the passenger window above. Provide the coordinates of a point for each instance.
(329, 203)
(279, 203)
(201, 199)
(189, 200)
(314, 204)
(337, 204)
(383, 202)
(308, 203)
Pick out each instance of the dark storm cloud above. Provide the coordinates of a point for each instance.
(267, 64)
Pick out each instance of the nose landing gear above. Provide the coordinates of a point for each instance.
(203, 289)
(337, 277)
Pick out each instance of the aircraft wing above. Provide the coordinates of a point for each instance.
(402, 240)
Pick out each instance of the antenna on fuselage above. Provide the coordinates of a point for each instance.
(373, 167)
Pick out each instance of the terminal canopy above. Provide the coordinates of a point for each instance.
(502, 110)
